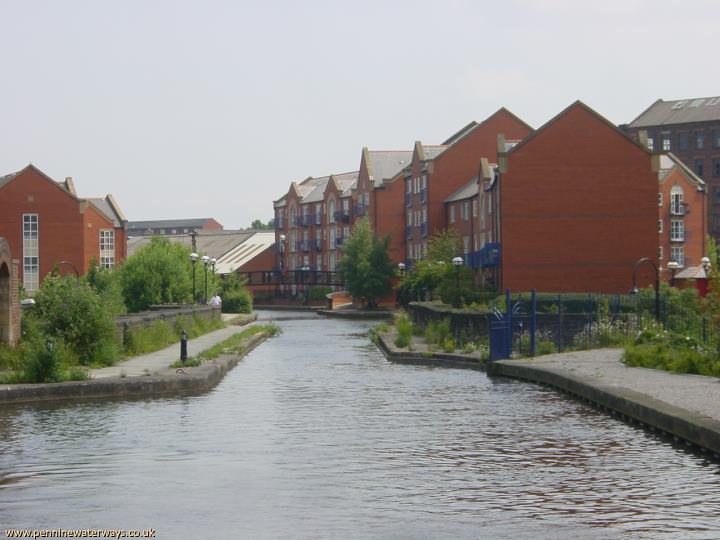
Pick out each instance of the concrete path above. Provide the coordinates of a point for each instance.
(160, 360)
(602, 367)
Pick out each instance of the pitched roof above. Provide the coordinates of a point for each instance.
(566, 110)
(467, 191)
(107, 209)
(211, 243)
(345, 182)
(5, 179)
(682, 111)
(244, 252)
(433, 151)
(168, 223)
(669, 162)
(385, 164)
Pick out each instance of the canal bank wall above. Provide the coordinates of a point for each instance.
(685, 407)
(187, 380)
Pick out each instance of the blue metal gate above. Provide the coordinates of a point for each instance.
(504, 326)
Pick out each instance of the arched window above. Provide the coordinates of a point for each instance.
(331, 211)
(676, 201)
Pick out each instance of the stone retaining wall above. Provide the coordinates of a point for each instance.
(169, 314)
(188, 380)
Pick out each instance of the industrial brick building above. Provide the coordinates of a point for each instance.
(690, 129)
(45, 222)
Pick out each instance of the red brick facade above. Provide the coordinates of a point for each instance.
(9, 296)
(578, 207)
(68, 228)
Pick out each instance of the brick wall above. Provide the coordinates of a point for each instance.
(133, 321)
(578, 208)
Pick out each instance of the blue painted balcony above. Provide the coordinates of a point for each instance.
(307, 220)
(359, 210)
(423, 195)
(339, 240)
(487, 257)
(342, 215)
(424, 229)
(408, 231)
(408, 199)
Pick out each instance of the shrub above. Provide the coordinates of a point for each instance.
(448, 344)
(438, 331)
(75, 315)
(235, 296)
(404, 327)
(318, 292)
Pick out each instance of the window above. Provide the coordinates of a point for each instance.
(716, 138)
(700, 140)
(666, 146)
(466, 244)
(408, 187)
(716, 195)
(332, 240)
(660, 253)
(682, 141)
(651, 143)
(677, 230)
(31, 255)
(423, 181)
(716, 166)
(659, 199)
(424, 215)
(475, 207)
(677, 254)
(408, 222)
(107, 248)
(676, 201)
(700, 167)
(660, 226)
(452, 214)
(331, 211)
(465, 211)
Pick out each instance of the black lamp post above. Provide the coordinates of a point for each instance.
(401, 267)
(672, 266)
(213, 262)
(193, 260)
(634, 289)
(281, 251)
(205, 260)
(457, 262)
(305, 270)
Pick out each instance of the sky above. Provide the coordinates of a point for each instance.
(211, 108)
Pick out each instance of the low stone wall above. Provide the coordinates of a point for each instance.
(385, 343)
(169, 314)
(188, 380)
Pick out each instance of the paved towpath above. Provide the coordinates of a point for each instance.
(160, 360)
(603, 368)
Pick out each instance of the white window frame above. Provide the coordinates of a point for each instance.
(107, 248)
(31, 252)
(677, 254)
(677, 230)
(660, 226)
(676, 201)
(452, 213)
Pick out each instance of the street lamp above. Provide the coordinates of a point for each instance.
(282, 250)
(706, 264)
(305, 270)
(634, 289)
(193, 260)
(213, 262)
(672, 266)
(457, 262)
(77, 274)
(205, 260)
(401, 267)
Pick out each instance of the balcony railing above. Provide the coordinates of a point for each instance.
(318, 219)
(339, 240)
(342, 215)
(487, 257)
(359, 210)
(423, 229)
(408, 231)
(679, 209)
(307, 220)
(423, 195)
(408, 199)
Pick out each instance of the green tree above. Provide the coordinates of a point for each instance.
(159, 273)
(258, 225)
(365, 265)
(75, 314)
(435, 269)
(235, 296)
(106, 282)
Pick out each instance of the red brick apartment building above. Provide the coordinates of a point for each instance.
(45, 222)
(578, 207)
(379, 196)
(312, 220)
(690, 129)
(437, 172)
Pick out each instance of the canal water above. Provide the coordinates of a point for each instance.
(316, 435)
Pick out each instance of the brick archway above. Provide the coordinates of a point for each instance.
(9, 302)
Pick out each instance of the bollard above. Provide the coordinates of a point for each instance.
(183, 346)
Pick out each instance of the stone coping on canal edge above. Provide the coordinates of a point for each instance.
(683, 406)
(380, 314)
(188, 380)
(422, 355)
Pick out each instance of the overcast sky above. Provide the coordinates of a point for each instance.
(211, 108)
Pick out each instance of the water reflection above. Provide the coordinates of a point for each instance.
(315, 435)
